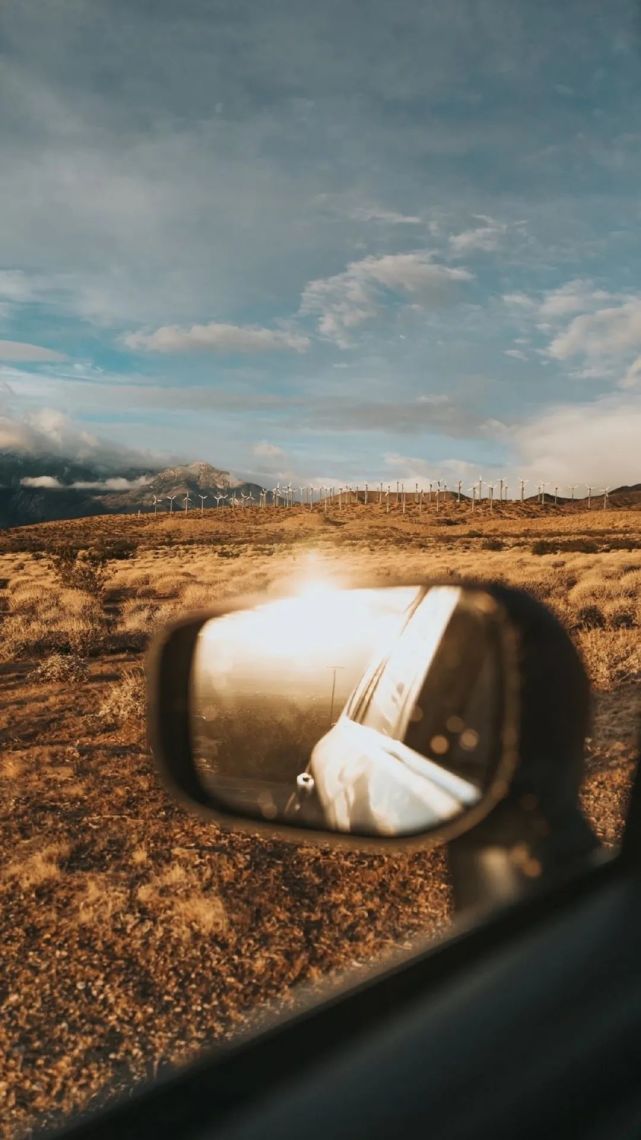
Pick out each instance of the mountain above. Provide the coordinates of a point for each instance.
(194, 479)
(46, 488)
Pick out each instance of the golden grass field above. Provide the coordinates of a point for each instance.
(133, 934)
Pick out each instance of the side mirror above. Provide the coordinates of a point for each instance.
(386, 713)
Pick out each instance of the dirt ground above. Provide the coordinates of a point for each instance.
(134, 934)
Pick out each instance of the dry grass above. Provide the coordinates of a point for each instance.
(135, 934)
(126, 700)
(36, 868)
(58, 668)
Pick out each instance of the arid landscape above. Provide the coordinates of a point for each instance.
(135, 935)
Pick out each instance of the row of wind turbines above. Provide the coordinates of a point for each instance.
(434, 492)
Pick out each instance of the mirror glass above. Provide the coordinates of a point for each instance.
(371, 711)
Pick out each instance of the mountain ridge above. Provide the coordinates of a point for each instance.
(47, 488)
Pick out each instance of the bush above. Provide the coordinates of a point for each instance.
(492, 544)
(544, 546)
(611, 658)
(80, 569)
(63, 621)
(117, 551)
(126, 700)
(58, 667)
(590, 617)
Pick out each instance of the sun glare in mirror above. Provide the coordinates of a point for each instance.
(374, 711)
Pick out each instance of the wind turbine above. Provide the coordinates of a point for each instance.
(187, 501)
(606, 492)
(202, 502)
(171, 503)
(156, 502)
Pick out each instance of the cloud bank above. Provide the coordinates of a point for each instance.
(216, 337)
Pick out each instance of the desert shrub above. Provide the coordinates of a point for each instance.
(59, 667)
(630, 581)
(492, 543)
(26, 597)
(126, 699)
(137, 622)
(196, 597)
(589, 616)
(611, 656)
(167, 584)
(579, 545)
(591, 588)
(65, 622)
(544, 546)
(118, 550)
(620, 613)
(25, 635)
(80, 569)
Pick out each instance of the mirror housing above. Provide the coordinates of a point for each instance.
(349, 746)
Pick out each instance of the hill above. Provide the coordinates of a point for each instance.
(194, 479)
(48, 489)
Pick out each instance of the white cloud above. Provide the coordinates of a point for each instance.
(387, 217)
(346, 300)
(576, 296)
(216, 337)
(598, 329)
(50, 432)
(484, 238)
(270, 451)
(46, 482)
(606, 333)
(519, 300)
(593, 443)
(16, 286)
(116, 483)
(517, 353)
(632, 378)
(16, 350)
(413, 469)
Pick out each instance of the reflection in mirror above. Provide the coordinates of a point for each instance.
(372, 711)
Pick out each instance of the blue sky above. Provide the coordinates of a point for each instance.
(336, 241)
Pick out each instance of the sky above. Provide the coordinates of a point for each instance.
(326, 242)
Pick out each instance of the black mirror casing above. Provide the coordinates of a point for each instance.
(168, 670)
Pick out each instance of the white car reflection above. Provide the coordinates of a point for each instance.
(366, 778)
